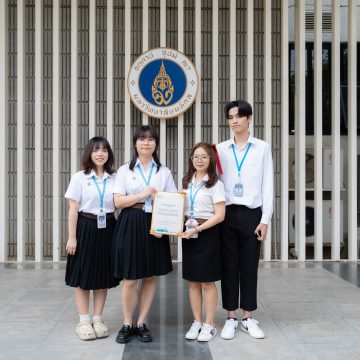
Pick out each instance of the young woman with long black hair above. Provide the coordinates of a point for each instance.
(137, 254)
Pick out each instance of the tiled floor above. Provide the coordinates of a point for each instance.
(307, 310)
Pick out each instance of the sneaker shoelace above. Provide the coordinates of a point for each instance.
(195, 326)
(229, 324)
(206, 328)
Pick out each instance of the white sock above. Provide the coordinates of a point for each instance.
(97, 318)
(84, 317)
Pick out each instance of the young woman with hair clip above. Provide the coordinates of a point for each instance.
(137, 254)
(91, 227)
(204, 211)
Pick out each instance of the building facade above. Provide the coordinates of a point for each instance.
(64, 65)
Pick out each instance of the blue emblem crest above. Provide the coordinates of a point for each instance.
(162, 83)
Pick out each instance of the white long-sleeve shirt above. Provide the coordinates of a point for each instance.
(256, 175)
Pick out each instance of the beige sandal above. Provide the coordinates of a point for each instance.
(85, 330)
(100, 329)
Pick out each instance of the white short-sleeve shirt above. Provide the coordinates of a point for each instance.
(205, 199)
(130, 182)
(82, 189)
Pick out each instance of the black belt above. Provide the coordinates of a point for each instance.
(94, 217)
(140, 206)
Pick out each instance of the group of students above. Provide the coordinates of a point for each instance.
(229, 203)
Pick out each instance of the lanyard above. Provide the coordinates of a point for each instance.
(102, 194)
(192, 198)
(147, 182)
(242, 160)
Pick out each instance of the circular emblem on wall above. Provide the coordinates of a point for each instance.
(163, 83)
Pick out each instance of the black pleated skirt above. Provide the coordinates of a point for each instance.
(136, 253)
(90, 267)
(202, 256)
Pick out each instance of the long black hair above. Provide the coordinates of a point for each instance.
(145, 131)
(97, 142)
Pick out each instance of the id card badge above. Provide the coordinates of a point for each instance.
(101, 220)
(148, 205)
(239, 189)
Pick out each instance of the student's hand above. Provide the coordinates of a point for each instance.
(71, 246)
(261, 231)
(188, 234)
(148, 191)
(157, 235)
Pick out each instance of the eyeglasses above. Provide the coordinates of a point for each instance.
(146, 140)
(200, 157)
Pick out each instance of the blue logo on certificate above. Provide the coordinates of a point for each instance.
(163, 83)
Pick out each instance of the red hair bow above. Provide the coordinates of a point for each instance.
(218, 164)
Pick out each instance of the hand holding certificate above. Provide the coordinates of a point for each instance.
(168, 213)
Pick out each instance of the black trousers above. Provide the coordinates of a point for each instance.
(240, 257)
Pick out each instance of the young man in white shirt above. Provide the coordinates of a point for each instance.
(247, 168)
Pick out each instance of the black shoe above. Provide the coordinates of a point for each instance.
(124, 335)
(143, 333)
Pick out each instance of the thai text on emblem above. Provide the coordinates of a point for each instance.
(163, 83)
(163, 88)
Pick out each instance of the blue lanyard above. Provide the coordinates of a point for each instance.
(236, 159)
(102, 194)
(147, 182)
(192, 198)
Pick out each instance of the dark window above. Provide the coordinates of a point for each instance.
(326, 86)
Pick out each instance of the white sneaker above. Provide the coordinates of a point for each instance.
(229, 329)
(250, 326)
(207, 332)
(194, 331)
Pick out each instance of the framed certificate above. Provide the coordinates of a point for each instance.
(168, 213)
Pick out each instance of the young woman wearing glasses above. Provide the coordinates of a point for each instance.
(204, 210)
(137, 254)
